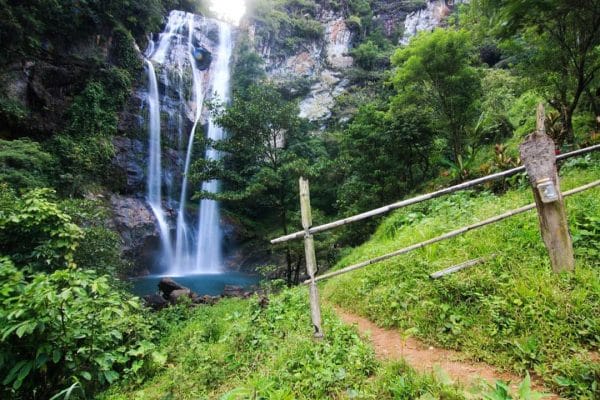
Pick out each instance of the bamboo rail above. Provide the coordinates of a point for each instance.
(445, 236)
(418, 199)
(459, 267)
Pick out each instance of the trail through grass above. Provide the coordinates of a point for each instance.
(511, 311)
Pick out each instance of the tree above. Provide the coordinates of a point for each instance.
(435, 71)
(387, 151)
(558, 46)
(265, 152)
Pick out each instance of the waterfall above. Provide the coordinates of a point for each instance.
(178, 55)
(154, 196)
(208, 253)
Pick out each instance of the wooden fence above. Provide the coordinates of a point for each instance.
(539, 159)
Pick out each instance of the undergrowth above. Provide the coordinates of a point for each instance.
(240, 349)
(512, 311)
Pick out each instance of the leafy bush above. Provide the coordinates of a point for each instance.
(24, 164)
(67, 326)
(86, 148)
(123, 52)
(100, 247)
(35, 233)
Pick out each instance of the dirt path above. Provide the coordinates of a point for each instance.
(388, 345)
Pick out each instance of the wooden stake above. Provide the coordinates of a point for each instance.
(539, 157)
(311, 258)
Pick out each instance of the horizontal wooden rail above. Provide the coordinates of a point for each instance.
(459, 267)
(423, 197)
(448, 235)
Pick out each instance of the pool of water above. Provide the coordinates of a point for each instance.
(210, 284)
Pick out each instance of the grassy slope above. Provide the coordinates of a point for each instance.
(512, 311)
(239, 350)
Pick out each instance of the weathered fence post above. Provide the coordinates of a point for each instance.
(539, 157)
(311, 259)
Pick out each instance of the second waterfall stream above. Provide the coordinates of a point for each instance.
(188, 62)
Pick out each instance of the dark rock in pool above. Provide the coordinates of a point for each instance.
(233, 291)
(176, 294)
(206, 299)
(168, 285)
(155, 301)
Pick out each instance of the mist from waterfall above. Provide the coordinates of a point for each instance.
(175, 55)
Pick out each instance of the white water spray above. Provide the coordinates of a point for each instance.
(154, 196)
(192, 251)
(208, 254)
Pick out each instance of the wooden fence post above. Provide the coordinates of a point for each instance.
(311, 259)
(539, 157)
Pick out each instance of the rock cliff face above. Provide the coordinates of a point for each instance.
(40, 90)
(322, 64)
(318, 63)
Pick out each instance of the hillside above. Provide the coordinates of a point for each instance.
(511, 311)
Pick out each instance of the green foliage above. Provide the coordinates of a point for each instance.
(381, 154)
(11, 111)
(33, 28)
(434, 71)
(512, 311)
(502, 391)
(35, 233)
(123, 53)
(369, 56)
(67, 326)
(100, 247)
(555, 44)
(285, 25)
(25, 165)
(361, 12)
(85, 148)
(245, 350)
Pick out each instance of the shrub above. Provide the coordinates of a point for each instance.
(67, 326)
(35, 233)
(24, 165)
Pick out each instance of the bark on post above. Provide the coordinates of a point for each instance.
(539, 157)
(311, 259)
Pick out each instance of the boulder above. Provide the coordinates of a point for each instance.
(206, 299)
(176, 294)
(137, 227)
(233, 291)
(155, 301)
(168, 285)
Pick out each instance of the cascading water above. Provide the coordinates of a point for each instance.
(154, 196)
(180, 58)
(208, 253)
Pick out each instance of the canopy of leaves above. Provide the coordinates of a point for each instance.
(435, 71)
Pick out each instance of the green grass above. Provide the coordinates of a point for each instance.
(512, 311)
(239, 350)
